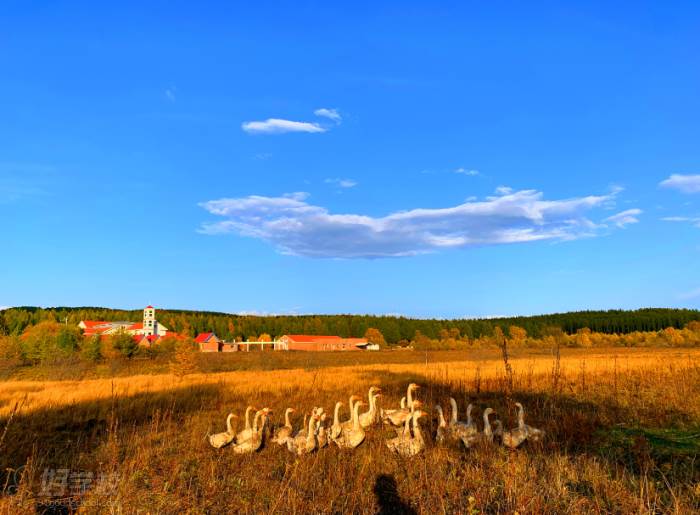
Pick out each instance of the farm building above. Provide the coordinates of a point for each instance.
(148, 327)
(209, 342)
(305, 342)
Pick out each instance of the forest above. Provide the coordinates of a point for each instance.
(395, 330)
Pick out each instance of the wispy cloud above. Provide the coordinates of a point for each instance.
(279, 126)
(465, 171)
(342, 183)
(687, 219)
(683, 183)
(170, 94)
(625, 217)
(294, 226)
(331, 114)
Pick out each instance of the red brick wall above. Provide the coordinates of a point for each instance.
(211, 346)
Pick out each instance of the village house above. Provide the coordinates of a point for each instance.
(209, 342)
(305, 342)
(145, 333)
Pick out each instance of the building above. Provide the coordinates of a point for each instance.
(306, 342)
(148, 327)
(209, 342)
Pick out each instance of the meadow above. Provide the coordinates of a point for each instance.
(623, 436)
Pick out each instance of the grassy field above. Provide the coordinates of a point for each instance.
(623, 433)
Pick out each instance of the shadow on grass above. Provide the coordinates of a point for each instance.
(53, 439)
(605, 429)
(388, 498)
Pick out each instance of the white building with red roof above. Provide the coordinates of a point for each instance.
(148, 327)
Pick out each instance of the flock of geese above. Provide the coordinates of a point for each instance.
(315, 433)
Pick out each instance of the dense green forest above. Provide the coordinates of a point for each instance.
(14, 321)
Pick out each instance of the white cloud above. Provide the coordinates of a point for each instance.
(331, 114)
(3, 308)
(170, 94)
(504, 190)
(683, 183)
(342, 183)
(279, 126)
(625, 217)
(465, 171)
(689, 219)
(297, 227)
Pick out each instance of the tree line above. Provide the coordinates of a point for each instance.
(395, 330)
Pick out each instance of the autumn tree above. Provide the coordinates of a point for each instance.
(125, 344)
(517, 335)
(583, 337)
(264, 337)
(375, 336)
(91, 349)
(185, 359)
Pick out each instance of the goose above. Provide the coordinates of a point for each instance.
(282, 433)
(460, 429)
(348, 424)
(321, 432)
(304, 443)
(253, 443)
(532, 433)
(398, 417)
(248, 431)
(336, 427)
(485, 437)
(441, 434)
(369, 417)
(351, 438)
(220, 440)
(498, 432)
(406, 445)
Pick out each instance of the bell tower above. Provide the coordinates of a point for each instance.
(149, 321)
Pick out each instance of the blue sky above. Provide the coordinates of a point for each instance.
(461, 159)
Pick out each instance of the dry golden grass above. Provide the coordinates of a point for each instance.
(622, 430)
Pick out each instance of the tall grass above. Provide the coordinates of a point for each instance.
(622, 437)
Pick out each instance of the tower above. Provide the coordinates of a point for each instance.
(149, 321)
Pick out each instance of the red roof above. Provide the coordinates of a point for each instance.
(308, 338)
(203, 337)
(92, 323)
(149, 307)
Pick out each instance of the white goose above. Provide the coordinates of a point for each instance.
(248, 430)
(461, 430)
(253, 443)
(220, 440)
(397, 417)
(369, 417)
(351, 438)
(442, 432)
(336, 427)
(485, 437)
(304, 443)
(284, 432)
(321, 432)
(407, 445)
(533, 433)
(348, 424)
